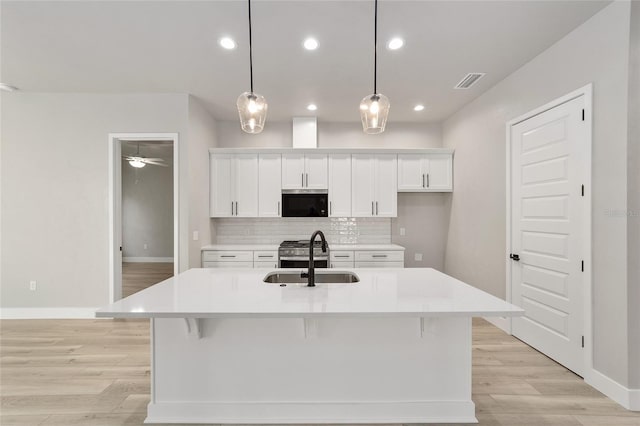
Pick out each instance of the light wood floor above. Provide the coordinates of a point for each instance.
(138, 276)
(96, 373)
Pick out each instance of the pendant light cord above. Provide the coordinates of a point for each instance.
(375, 49)
(250, 49)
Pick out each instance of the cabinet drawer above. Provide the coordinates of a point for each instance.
(227, 256)
(341, 264)
(379, 264)
(380, 256)
(271, 264)
(261, 256)
(341, 256)
(227, 264)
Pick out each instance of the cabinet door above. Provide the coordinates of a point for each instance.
(439, 173)
(340, 185)
(292, 171)
(246, 185)
(269, 185)
(220, 185)
(386, 175)
(341, 264)
(362, 185)
(315, 169)
(411, 172)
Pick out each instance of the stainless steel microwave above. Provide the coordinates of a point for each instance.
(305, 203)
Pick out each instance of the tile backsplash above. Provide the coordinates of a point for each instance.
(337, 230)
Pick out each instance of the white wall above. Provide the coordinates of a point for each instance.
(424, 216)
(633, 180)
(54, 190)
(596, 52)
(202, 136)
(147, 209)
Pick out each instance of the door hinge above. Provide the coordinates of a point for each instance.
(583, 190)
(582, 114)
(583, 341)
(582, 265)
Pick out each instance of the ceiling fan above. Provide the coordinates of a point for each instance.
(138, 161)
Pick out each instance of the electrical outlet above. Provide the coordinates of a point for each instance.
(145, 246)
(403, 231)
(196, 235)
(418, 257)
(33, 285)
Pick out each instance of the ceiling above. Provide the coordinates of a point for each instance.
(172, 47)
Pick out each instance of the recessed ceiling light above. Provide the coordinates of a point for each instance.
(418, 107)
(8, 87)
(312, 107)
(228, 43)
(395, 43)
(311, 43)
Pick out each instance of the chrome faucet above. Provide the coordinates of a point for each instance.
(311, 273)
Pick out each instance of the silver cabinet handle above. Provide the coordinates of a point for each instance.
(278, 208)
(427, 180)
(232, 208)
(302, 177)
(236, 208)
(307, 175)
(269, 256)
(376, 208)
(227, 255)
(341, 255)
(378, 255)
(372, 213)
(330, 208)
(423, 180)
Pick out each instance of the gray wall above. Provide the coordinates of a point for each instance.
(147, 209)
(424, 216)
(202, 136)
(54, 224)
(597, 52)
(633, 180)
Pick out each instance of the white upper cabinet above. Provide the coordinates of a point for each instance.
(425, 173)
(340, 185)
(269, 185)
(233, 185)
(304, 171)
(374, 185)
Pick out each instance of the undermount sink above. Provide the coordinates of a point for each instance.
(333, 277)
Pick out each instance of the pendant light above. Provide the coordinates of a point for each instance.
(252, 107)
(374, 108)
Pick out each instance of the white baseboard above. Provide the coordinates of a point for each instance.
(628, 398)
(502, 323)
(48, 313)
(148, 259)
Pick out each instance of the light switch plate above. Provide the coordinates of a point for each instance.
(33, 285)
(403, 231)
(196, 235)
(418, 257)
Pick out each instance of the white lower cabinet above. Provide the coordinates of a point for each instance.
(266, 264)
(227, 264)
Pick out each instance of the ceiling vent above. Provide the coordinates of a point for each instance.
(469, 80)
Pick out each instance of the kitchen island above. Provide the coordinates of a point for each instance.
(227, 347)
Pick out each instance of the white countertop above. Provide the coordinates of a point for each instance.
(220, 293)
(273, 247)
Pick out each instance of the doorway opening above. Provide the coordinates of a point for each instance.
(143, 192)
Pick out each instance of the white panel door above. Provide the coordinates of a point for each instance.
(547, 211)
(220, 185)
(316, 170)
(362, 185)
(269, 185)
(293, 171)
(246, 185)
(439, 173)
(340, 185)
(411, 172)
(386, 185)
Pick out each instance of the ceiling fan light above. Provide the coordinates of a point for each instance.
(137, 163)
(374, 110)
(252, 109)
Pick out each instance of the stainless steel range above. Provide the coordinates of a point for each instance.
(295, 254)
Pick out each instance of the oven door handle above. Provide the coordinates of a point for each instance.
(301, 259)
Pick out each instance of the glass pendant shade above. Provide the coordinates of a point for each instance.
(374, 110)
(252, 109)
(136, 163)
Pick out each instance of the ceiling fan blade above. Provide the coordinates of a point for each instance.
(154, 159)
(155, 164)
